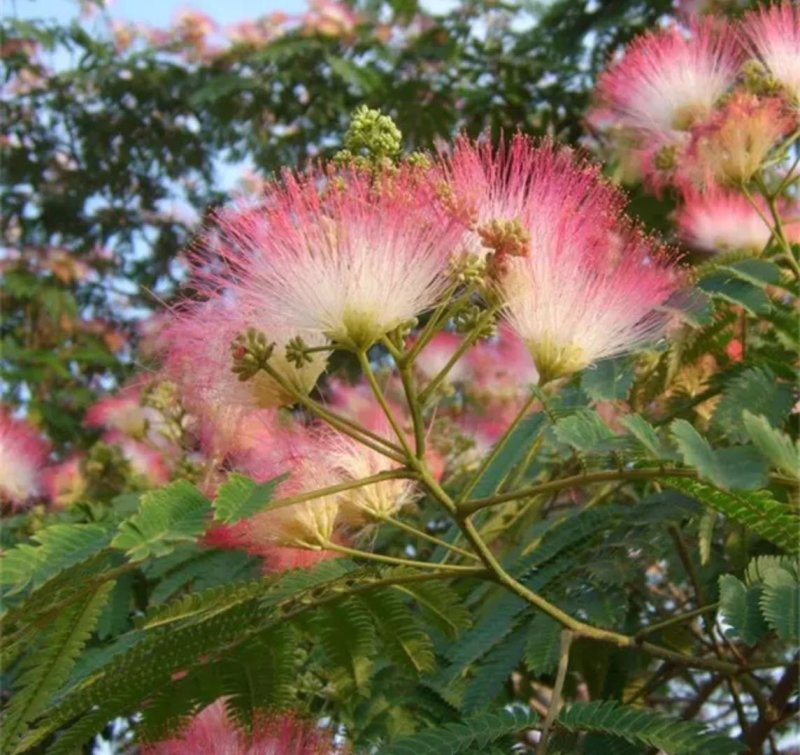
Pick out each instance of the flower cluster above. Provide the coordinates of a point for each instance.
(364, 258)
(710, 109)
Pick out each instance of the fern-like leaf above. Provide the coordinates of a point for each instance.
(168, 516)
(756, 510)
(780, 603)
(402, 634)
(48, 665)
(240, 497)
(672, 736)
(475, 734)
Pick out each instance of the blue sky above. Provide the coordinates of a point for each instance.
(156, 12)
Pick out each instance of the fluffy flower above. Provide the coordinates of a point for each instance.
(213, 732)
(733, 144)
(773, 35)
(123, 412)
(145, 461)
(350, 257)
(199, 361)
(588, 285)
(666, 82)
(64, 483)
(720, 221)
(351, 461)
(23, 454)
(309, 524)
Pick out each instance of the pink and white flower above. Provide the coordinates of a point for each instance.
(213, 731)
(586, 284)
(23, 454)
(772, 33)
(64, 483)
(719, 221)
(348, 256)
(666, 82)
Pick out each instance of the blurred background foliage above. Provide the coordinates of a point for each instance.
(115, 145)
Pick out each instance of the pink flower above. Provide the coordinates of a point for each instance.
(585, 284)
(212, 732)
(732, 145)
(349, 257)
(23, 454)
(773, 34)
(145, 461)
(199, 361)
(719, 221)
(330, 18)
(123, 412)
(666, 82)
(64, 483)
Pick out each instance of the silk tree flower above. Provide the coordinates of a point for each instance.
(349, 256)
(351, 461)
(666, 82)
(720, 220)
(772, 34)
(733, 144)
(64, 483)
(309, 524)
(146, 462)
(587, 284)
(199, 361)
(213, 732)
(123, 412)
(23, 454)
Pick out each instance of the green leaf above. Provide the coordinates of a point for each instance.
(674, 737)
(759, 392)
(48, 665)
(543, 644)
(705, 535)
(780, 603)
(585, 431)
(774, 444)
(474, 734)
(731, 288)
(755, 510)
(494, 671)
(175, 514)
(756, 271)
(609, 380)
(441, 605)
(60, 546)
(518, 444)
(240, 497)
(738, 606)
(405, 640)
(646, 434)
(726, 468)
(347, 636)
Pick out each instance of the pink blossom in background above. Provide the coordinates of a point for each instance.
(147, 462)
(64, 483)
(23, 455)
(722, 220)
(667, 80)
(733, 143)
(772, 34)
(212, 732)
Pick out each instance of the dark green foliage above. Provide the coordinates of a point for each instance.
(640, 725)
(476, 733)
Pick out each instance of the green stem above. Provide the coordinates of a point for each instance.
(579, 628)
(470, 507)
(396, 561)
(425, 536)
(468, 341)
(355, 431)
(416, 410)
(341, 487)
(381, 399)
(496, 451)
(558, 688)
(688, 616)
